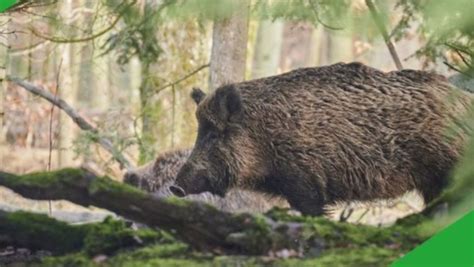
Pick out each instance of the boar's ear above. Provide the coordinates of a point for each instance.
(228, 103)
(197, 95)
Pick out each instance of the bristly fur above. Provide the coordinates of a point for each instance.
(345, 132)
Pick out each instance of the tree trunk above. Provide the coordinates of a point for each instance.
(147, 105)
(229, 48)
(68, 92)
(101, 94)
(3, 74)
(267, 49)
(135, 81)
(317, 40)
(148, 138)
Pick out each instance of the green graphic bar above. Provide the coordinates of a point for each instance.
(5, 4)
(452, 247)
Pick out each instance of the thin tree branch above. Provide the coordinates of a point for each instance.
(185, 77)
(79, 40)
(459, 51)
(181, 79)
(456, 69)
(78, 119)
(318, 19)
(380, 25)
(50, 150)
(83, 39)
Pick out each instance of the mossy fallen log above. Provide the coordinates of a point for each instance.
(328, 243)
(40, 232)
(207, 229)
(202, 226)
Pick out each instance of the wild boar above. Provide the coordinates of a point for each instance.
(317, 136)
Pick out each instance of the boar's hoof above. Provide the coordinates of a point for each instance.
(177, 191)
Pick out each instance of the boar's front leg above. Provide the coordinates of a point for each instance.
(306, 199)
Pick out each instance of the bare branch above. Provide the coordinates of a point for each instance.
(181, 79)
(456, 69)
(78, 119)
(83, 39)
(79, 40)
(380, 25)
(318, 19)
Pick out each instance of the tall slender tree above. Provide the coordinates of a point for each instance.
(3, 70)
(267, 48)
(229, 47)
(68, 92)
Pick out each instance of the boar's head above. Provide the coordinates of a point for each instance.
(224, 148)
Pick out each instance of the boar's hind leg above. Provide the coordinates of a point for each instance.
(432, 187)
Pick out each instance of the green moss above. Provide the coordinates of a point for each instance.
(181, 202)
(71, 260)
(112, 235)
(44, 179)
(172, 250)
(180, 255)
(338, 234)
(105, 184)
(40, 231)
(173, 254)
(369, 256)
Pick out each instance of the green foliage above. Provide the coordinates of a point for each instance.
(330, 13)
(202, 9)
(446, 25)
(138, 37)
(84, 143)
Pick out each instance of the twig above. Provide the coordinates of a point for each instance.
(24, 4)
(318, 19)
(456, 69)
(50, 152)
(78, 119)
(83, 39)
(346, 213)
(185, 77)
(362, 215)
(459, 51)
(380, 25)
(79, 40)
(172, 84)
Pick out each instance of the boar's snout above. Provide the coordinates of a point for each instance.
(177, 191)
(191, 179)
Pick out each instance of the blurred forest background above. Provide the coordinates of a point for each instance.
(128, 68)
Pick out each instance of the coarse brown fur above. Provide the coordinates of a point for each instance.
(158, 175)
(316, 136)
